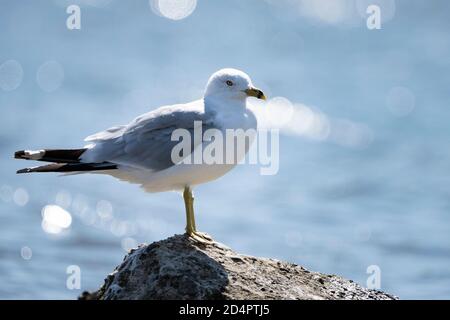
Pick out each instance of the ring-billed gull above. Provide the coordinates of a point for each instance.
(141, 152)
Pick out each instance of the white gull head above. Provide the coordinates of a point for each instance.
(231, 84)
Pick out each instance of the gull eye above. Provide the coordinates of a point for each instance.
(229, 83)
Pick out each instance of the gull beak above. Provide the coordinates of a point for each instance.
(253, 92)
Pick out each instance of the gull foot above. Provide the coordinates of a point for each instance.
(204, 235)
(200, 237)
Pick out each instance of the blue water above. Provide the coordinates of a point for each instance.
(330, 208)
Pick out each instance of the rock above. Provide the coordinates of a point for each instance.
(181, 268)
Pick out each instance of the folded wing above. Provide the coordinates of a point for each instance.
(146, 142)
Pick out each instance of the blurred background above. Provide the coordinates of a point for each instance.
(364, 116)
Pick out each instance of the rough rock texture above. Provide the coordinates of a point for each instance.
(181, 268)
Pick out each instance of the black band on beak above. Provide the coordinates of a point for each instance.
(253, 92)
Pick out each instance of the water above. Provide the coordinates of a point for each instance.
(332, 207)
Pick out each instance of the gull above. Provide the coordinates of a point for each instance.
(141, 151)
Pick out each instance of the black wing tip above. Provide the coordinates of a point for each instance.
(25, 170)
(19, 154)
(70, 167)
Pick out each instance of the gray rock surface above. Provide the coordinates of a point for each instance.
(181, 268)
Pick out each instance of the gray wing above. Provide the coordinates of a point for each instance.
(110, 133)
(146, 141)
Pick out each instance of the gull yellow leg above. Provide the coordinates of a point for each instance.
(191, 229)
(189, 204)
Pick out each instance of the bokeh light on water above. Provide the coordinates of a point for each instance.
(278, 112)
(118, 228)
(308, 122)
(11, 75)
(50, 76)
(55, 219)
(80, 204)
(173, 9)
(105, 210)
(21, 197)
(26, 253)
(400, 101)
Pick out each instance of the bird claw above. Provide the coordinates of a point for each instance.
(201, 237)
(204, 235)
